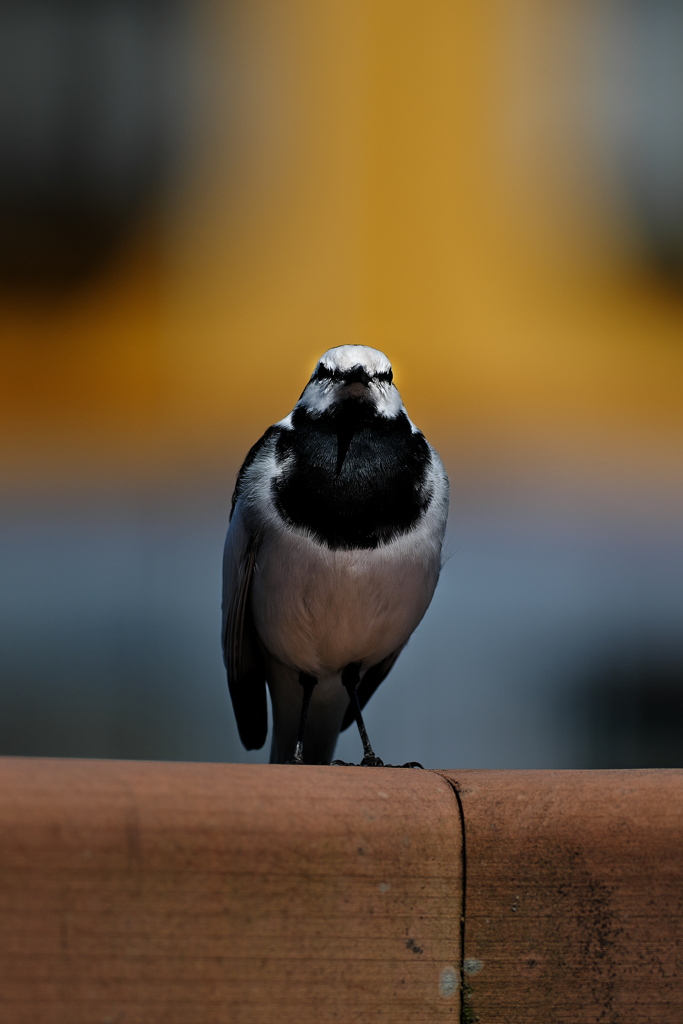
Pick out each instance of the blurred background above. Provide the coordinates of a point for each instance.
(196, 200)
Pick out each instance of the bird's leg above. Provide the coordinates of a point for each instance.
(308, 684)
(350, 679)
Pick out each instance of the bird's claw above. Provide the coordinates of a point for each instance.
(367, 762)
(372, 761)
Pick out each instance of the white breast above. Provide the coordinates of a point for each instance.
(318, 610)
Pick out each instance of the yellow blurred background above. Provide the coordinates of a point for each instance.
(434, 180)
(356, 180)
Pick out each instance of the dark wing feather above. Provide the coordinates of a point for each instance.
(241, 653)
(369, 683)
(241, 650)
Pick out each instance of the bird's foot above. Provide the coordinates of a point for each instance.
(372, 761)
(367, 762)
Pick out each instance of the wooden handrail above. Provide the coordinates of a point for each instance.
(136, 893)
(573, 896)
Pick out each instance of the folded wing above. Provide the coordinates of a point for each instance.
(241, 652)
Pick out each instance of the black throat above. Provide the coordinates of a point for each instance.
(353, 478)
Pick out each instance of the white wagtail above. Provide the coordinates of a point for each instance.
(331, 558)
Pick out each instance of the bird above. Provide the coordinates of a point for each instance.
(332, 555)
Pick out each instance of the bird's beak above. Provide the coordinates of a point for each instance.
(357, 375)
(355, 390)
(356, 383)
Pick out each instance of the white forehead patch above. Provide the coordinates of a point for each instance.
(321, 395)
(345, 357)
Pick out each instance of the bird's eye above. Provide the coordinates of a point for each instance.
(323, 372)
(387, 376)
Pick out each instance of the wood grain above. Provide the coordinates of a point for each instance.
(136, 893)
(574, 896)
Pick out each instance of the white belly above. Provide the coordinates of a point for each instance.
(318, 610)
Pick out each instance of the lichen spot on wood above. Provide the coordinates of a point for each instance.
(448, 982)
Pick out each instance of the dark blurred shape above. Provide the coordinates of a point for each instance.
(644, 86)
(633, 713)
(94, 102)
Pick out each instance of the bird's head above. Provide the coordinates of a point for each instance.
(352, 373)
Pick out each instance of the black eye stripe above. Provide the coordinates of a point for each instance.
(325, 373)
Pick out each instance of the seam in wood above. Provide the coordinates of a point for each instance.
(465, 1010)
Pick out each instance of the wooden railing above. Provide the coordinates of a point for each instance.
(137, 893)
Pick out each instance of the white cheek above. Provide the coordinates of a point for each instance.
(387, 401)
(317, 399)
